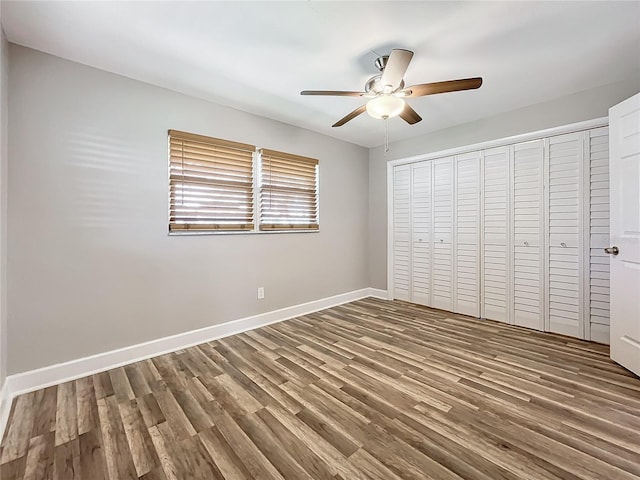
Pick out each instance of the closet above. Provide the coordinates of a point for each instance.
(513, 232)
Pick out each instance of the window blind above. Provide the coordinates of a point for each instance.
(288, 191)
(210, 183)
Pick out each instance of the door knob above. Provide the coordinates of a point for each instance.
(612, 250)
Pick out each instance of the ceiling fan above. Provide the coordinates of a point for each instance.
(387, 91)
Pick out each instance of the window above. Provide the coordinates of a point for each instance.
(217, 186)
(210, 184)
(288, 191)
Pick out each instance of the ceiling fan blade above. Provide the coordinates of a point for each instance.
(395, 68)
(334, 93)
(443, 87)
(409, 115)
(350, 116)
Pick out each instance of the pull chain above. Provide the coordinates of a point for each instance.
(386, 135)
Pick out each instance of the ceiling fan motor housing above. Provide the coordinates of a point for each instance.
(381, 62)
(374, 85)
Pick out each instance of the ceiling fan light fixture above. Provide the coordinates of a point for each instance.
(385, 106)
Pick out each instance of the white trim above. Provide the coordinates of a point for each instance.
(63, 372)
(545, 251)
(586, 236)
(390, 227)
(5, 407)
(501, 142)
(379, 293)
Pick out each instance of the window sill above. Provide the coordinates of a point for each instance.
(186, 233)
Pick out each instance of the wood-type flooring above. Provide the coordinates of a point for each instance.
(372, 389)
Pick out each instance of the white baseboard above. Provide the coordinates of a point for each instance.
(63, 372)
(379, 293)
(5, 407)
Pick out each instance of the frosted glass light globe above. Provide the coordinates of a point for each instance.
(385, 106)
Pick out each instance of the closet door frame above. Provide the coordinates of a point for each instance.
(501, 142)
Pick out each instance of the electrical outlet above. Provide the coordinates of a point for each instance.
(260, 293)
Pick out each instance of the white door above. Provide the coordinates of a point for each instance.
(401, 231)
(527, 233)
(496, 262)
(442, 270)
(565, 307)
(624, 174)
(421, 233)
(467, 234)
(598, 239)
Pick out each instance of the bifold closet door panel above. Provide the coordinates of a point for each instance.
(421, 233)
(564, 245)
(442, 254)
(527, 218)
(598, 285)
(467, 234)
(495, 284)
(401, 232)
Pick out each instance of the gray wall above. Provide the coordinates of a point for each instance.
(582, 106)
(4, 98)
(92, 268)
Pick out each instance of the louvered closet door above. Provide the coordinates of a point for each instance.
(421, 233)
(401, 232)
(564, 246)
(527, 222)
(598, 284)
(442, 270)
(495, 284)
(467, 234)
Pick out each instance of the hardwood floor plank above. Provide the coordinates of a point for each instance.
(118, 457)
(66, 463)
(141, 447)
(14, 469)
(250, 455)
(87, 405)
(223, 455)
(18, 434)
(92, 460)
(373, 389)
(40, 457)
(44, 404)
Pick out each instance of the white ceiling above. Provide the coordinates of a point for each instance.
(258, 56)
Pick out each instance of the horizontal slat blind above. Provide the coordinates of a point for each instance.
(288, 192)
(210, 183)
